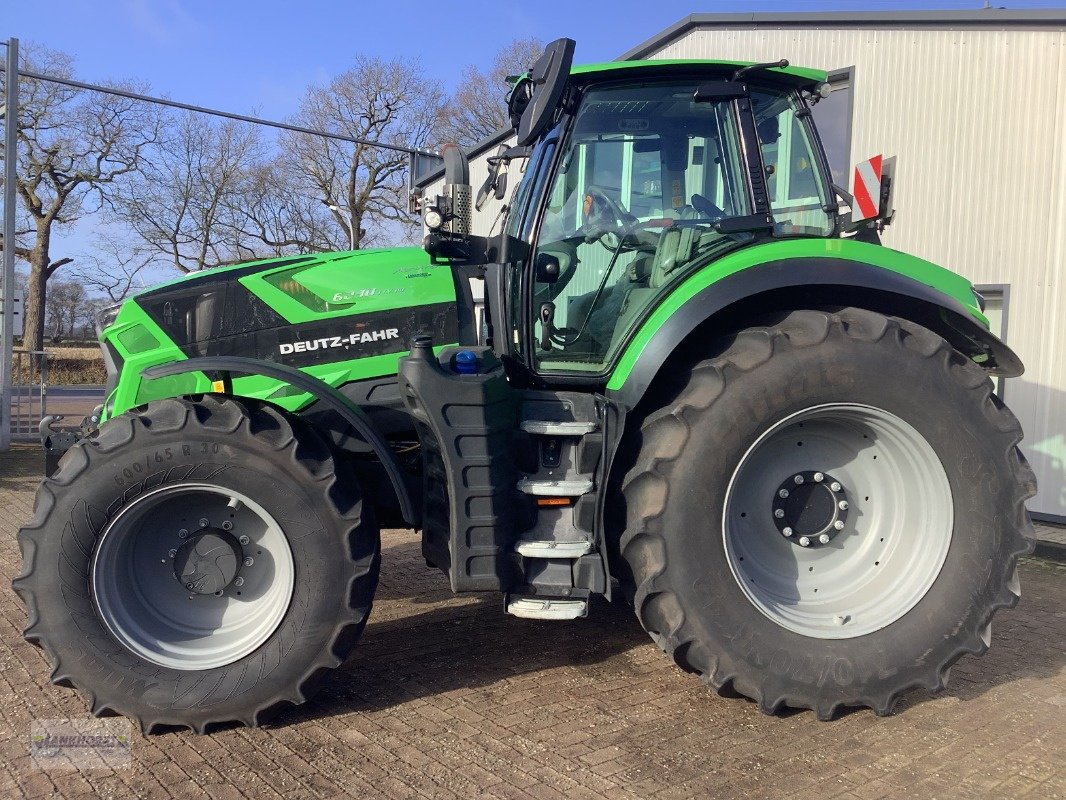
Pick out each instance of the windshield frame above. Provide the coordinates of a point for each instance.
(534, 205)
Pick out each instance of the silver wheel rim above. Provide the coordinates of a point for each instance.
(154, 615)
(890, 547)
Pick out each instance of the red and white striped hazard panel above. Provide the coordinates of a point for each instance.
(867, 189)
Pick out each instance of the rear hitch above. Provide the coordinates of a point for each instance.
(56, 442)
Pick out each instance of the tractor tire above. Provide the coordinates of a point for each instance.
(841, 451)
(198, 562)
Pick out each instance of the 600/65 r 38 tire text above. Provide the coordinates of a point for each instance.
(198, 562)
(827, 513)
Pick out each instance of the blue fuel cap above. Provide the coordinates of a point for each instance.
(466, 362)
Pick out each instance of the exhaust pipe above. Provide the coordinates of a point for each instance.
(455, 202)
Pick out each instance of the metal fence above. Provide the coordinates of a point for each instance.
(29, 393)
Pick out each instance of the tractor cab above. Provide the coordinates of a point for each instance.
(638, 174)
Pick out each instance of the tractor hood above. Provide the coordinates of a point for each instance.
(266, 309)
(340, 316)
(342, 281)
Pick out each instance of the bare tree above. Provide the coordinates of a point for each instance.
(477, 110)
(215, 193)
(186, 202)
(67, 304)
(73, 147)
(348, 195)
(114, 267)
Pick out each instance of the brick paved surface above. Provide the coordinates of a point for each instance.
(1055, 534)
(448, 697)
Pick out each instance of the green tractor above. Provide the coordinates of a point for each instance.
(697, 386)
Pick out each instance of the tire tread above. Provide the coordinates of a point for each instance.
(664, 433)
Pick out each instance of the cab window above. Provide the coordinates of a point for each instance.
(644, 176)
(797, 188)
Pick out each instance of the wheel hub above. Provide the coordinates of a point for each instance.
(208, 561)
(810, 508)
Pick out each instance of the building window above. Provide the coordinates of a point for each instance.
(832, 116)
(997, 300)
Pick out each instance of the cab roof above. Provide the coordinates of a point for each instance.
(801, 76)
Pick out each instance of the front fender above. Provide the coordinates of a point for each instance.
(797, 274)
(332, 399)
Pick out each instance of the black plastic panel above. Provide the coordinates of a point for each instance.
(465, 424)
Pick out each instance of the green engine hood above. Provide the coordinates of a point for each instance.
(341, 317)
(308, 287)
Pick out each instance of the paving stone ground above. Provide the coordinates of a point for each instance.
(1055, 534)
(447, 697)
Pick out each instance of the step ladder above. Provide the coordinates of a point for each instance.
(559, 479)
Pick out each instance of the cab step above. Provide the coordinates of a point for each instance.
(544, 427)
(540, 607)
(547, 488)
(552, 549)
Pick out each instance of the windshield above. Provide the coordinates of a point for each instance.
(646, 174)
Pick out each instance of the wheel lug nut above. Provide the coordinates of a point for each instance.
(244, 540)
(835, 486)
(818, 477)
(204, 522)
(248, 561)
(238, 582)
(182, 533)
(786, 531)
(839, 525)
(783, 494)
(843, 505)
(227, 525)
(798, 479)
(172, 553)
(779, 512)
(804, 541)
(824, 538)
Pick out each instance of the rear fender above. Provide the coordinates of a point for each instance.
(814, 282)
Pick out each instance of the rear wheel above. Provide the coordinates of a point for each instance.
(197, 563)
(827, 513)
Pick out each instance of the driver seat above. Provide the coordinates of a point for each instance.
(674, 249)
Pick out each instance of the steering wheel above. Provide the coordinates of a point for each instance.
(605, 218)
(707, 208)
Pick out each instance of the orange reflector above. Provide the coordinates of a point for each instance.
(218, 386)
(554, 501)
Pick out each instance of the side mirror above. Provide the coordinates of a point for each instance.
(547, 81)
(501, 185)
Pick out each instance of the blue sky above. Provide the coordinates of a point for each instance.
(258, 57)
(246, 56)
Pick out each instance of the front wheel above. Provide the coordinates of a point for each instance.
(198, 562)
(828, 513)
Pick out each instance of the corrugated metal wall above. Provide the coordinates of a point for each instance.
(977, 119)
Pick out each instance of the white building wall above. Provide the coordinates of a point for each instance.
(977, 120)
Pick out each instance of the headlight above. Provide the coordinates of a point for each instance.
(434, 219)
(105, 316)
